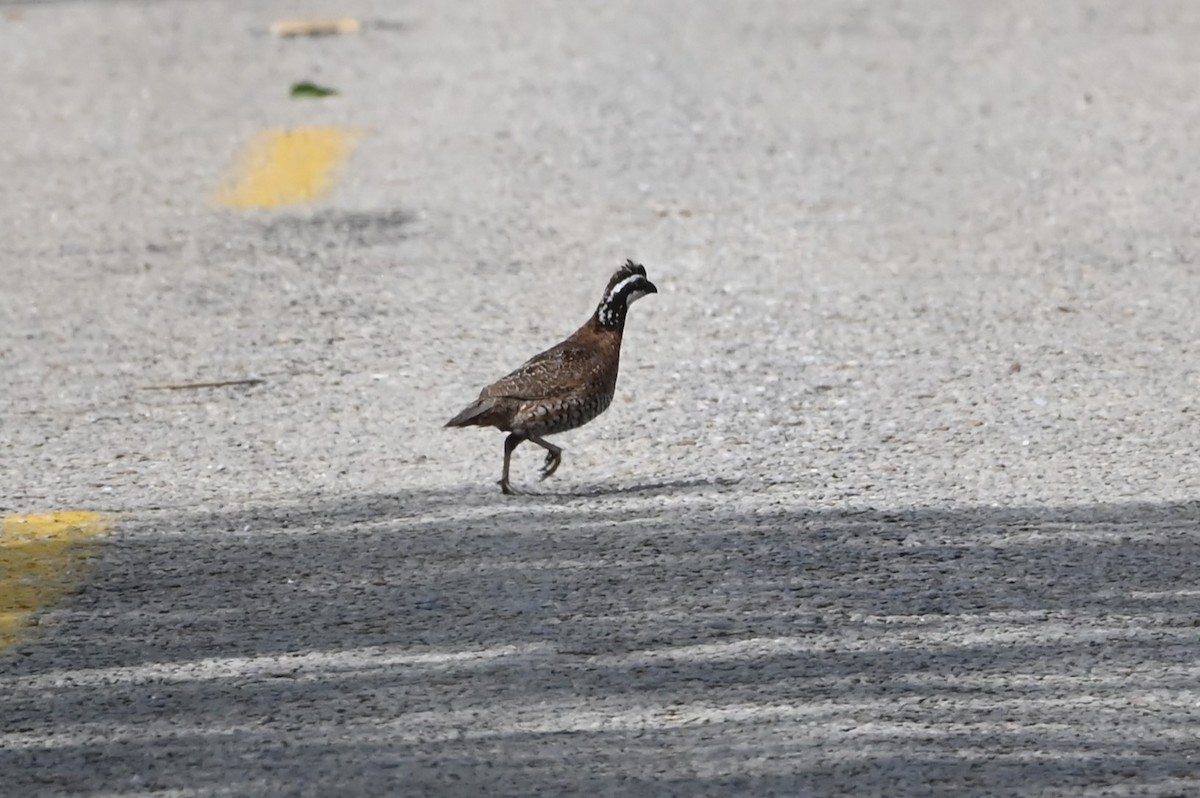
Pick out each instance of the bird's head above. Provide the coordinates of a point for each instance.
(627, 285)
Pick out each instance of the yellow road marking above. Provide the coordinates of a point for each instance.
(287, 167)
(42, 558)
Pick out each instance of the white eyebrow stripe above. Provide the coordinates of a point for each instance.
(616, 289)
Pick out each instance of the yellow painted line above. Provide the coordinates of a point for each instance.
(42, 559)
(287, 167)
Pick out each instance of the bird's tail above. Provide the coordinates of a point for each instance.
(473, 414)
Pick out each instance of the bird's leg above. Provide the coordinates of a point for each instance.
(511, 442)
(553, 455)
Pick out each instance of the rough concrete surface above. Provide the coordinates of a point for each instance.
(898, 496)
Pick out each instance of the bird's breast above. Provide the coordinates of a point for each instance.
(547, 417)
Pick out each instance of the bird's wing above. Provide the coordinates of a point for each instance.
(564, 370)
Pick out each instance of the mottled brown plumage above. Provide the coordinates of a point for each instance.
(566, 386)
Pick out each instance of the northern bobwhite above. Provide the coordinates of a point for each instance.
(566, 386)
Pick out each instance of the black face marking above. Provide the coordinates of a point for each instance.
(627, 285)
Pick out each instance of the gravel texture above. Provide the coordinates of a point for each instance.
(898, 495)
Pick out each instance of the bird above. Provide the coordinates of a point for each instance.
(564, 387)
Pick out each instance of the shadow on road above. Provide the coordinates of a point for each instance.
(646, 639)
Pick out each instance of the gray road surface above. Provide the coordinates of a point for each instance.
(899, 495)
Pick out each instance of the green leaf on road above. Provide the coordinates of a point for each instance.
(310, 89)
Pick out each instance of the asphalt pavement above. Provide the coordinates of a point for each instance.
(899, 494)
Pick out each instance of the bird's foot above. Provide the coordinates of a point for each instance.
(553, 459)
(506, 488)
